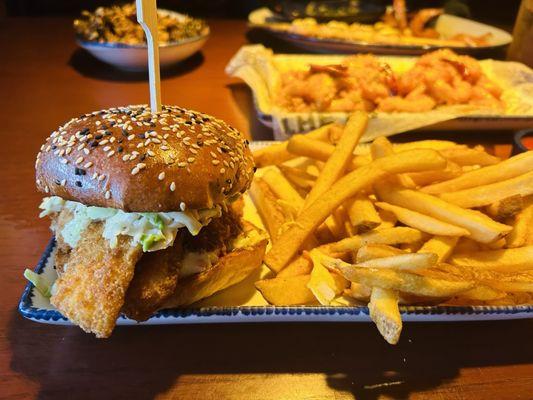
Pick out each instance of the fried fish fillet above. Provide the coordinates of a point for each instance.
(154, 281)
(62, 254)
(91, 291)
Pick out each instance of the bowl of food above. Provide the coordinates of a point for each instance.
(113, 35)
(523, 141)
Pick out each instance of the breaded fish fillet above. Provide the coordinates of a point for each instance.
(59, 220)
(154, 281)
(91, 291)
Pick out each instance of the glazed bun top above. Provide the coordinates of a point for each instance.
(133, 160)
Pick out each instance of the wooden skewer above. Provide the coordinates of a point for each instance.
(147, 17)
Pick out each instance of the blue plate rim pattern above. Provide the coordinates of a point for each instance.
(27, 309)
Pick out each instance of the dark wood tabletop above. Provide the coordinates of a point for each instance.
(44, 80)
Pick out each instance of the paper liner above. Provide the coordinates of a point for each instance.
(261, 69)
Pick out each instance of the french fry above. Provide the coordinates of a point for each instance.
(482, 293)
(362, 213)
(268, 208)
(349, 185)
(337, 162)
(442, 246)
(522, 232)
(424, 178)
(423, 222)
(388, 220)
(384, 311)
(300, 266)
(516, 282)
(371, 251)
(467, 245)
(505, 208)
(298, 177)
(506, 260)
(510, 168)
(277, 153)
(274, 154)
(407, 262)
(359, 292)
(438, 145)
(403, 281)
(385, 236)
(282, 188)
(380, 147)
(481, 228)
(480, 196)
(302, 145)
(463, 155)
(286, 291)
(324, 285)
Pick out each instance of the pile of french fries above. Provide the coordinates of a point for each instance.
(420, 223)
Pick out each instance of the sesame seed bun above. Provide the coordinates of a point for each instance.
(133, 160)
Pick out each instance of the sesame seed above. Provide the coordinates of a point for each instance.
(190, 159)
(112, 139)
(125, 157)
(81, 146)
(141, 165)
(131, 137)
(135, 171)
(183, 206)
(139, 145)
(63, 182)
(161, 176)
(164, 148)
(215, 162)
(193, 151)
(101, 178)
(110, 153)
(182, 164)
(172, 186)
(107, 148)
(95, 175)
(108, 194)
(150, 153)
(86, 152)
(222, 170)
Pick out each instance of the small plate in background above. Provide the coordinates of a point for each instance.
(135, 57)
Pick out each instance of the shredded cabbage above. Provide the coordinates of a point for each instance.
(154, 231)
(41, 284)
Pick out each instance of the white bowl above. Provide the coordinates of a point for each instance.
(135, 57)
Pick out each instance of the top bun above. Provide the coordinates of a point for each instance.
(133, 160)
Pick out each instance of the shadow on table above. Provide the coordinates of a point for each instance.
(142, 362)
(85, 64)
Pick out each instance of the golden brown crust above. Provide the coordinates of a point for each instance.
(130, 159)
(154, 281)
(90, 292)
(229, 270)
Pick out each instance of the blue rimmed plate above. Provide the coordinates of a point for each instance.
(242, 303)
(37, 308)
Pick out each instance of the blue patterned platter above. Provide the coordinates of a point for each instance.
(243, 303)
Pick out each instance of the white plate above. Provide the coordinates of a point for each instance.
(242, 303)
(135, 57)
(447, 25)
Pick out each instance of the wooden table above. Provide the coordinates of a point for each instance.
(44, 80)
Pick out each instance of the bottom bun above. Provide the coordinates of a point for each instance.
(230, 269)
